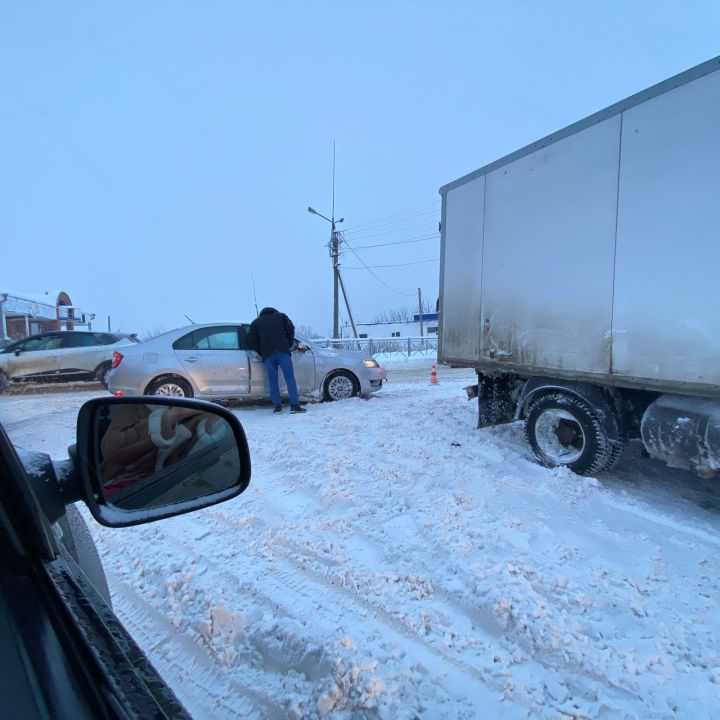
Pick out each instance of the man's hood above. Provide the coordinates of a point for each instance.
(268, 311)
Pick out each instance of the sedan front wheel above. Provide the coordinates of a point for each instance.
(341, 385)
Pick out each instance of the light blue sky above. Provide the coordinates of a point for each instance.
(154, 151)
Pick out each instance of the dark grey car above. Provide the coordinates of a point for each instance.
(61, 354)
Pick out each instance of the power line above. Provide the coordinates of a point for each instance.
(387, 217)
(392, 222)
(382, 282)
(396, 230)
(399, 242)
(416, 262)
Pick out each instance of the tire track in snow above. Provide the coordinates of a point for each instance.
(208, 687)
(276, 583)
(541, 656)
(487, 626)
(178, 656)
(332, 604)
(398, 487)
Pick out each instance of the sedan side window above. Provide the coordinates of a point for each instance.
(217, 339)
(212, 338)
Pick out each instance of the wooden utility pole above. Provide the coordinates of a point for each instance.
(347, 304)
(335, 255)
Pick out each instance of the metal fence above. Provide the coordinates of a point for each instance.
(418, 346)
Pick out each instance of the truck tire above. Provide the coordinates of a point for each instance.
(615, 454)
(564, 430)
(4, 382)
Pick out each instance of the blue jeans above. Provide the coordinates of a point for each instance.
(284, 361)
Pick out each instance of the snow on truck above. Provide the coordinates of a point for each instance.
(580, 278)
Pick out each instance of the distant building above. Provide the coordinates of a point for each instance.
(23, 314)
(396, 328)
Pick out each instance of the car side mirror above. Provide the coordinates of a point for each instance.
(17, 352)
(143, 459)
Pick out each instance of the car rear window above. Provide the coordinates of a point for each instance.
(184, 343)
(108, 338)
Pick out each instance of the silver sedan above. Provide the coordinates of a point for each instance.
(212, 362)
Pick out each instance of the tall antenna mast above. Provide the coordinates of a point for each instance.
(252, 275)
(333, 203)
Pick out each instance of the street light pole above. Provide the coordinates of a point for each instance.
(334, 247)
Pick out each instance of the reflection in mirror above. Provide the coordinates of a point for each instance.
(151, 455)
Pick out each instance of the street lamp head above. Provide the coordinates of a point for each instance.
(340, 220)
(310, 210)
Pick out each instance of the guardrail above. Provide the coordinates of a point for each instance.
(409, 346)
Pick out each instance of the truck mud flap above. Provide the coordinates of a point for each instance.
(495, 403)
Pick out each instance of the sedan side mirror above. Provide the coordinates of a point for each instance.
(143, 459)
(17, 352)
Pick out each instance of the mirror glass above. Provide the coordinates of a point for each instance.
(151, 455)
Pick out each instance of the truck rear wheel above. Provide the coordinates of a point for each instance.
(566, 431)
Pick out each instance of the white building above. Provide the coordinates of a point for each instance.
(396, 328)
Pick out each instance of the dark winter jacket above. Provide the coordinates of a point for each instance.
(271, 332)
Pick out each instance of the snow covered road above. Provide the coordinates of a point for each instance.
(391, 561)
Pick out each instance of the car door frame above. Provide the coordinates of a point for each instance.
(194, 360)
(93, 355)
(304, 367)
(26, 356)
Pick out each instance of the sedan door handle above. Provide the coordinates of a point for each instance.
(192, 358)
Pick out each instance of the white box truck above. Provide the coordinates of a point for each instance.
(580, 278)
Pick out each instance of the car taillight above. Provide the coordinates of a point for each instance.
(117, 359)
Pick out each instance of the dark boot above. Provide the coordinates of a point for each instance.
(297, 409)
(278, 409)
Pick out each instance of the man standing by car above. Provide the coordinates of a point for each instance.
(272, 334)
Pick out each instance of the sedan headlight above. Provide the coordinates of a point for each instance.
(370, 363)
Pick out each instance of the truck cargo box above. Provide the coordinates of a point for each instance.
(594, 254)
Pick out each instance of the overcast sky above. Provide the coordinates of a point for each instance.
(155, 152)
